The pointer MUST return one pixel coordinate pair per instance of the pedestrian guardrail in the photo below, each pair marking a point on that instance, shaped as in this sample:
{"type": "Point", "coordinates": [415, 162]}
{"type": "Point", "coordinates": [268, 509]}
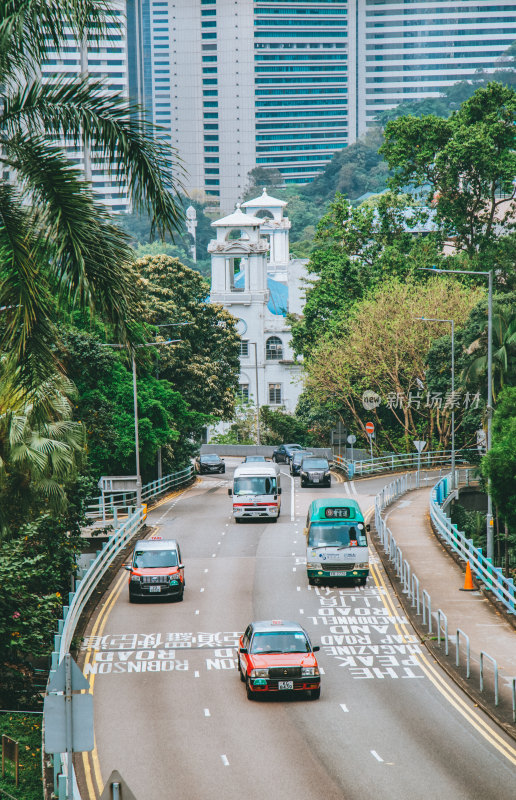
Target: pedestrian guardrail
{"type": "Point", "coordinates": [393, 463]}
{"type": "Point", "coordinates": [419, 598]}
{"type": "Point", "coordinates": [84, 589]}
{"type": "Point", "coordinates": [492, 577]}
{"type": "Point", "coordinates": [109, 506]}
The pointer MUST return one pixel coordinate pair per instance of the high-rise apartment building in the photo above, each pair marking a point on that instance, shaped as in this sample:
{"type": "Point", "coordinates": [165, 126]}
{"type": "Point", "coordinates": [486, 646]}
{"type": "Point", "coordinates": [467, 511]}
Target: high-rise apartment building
{"type": "Point", "coordinates": [106, 60]}
{"type": "Point", "coordinates": [285, 83]}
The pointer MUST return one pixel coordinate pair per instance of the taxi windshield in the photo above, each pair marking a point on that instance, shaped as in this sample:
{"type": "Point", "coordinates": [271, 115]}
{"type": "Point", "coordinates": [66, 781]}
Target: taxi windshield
{"type": "Point", "coordinates": [149, 559]}
{"type": "Point", "coordinates": [254, 485]}
{"type": "Point", "coordinates": [280, 642]}
{"type": "Point", "coordinates": [341, 535]}
{"type": "Point", "coordinates": [315, 463]}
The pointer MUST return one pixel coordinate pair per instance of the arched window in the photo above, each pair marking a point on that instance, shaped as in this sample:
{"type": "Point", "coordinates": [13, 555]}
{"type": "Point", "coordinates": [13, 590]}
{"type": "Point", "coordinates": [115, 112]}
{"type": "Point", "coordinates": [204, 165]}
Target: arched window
{"type": "Point", "coordinates": [273, 349]}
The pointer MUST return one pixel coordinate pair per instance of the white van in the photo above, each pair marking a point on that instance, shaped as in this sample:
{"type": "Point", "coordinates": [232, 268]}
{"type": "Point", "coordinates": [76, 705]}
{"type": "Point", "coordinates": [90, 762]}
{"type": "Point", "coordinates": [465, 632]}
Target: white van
{"type": "Point", "coordinates": [256, 492]}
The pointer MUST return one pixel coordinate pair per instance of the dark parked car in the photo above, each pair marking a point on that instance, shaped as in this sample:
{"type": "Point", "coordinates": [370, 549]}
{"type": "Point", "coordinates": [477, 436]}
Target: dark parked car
{"type": "Point", "coordinates": [209, 462]}
{"type": "Point", "coordinates": [250, 459]}
{"type": "Point", "coordinates": [284, 452]}
{"type": "Point", "coordinates": [295, 461]}
{"type": "Point", "coordinates": [315, 471]}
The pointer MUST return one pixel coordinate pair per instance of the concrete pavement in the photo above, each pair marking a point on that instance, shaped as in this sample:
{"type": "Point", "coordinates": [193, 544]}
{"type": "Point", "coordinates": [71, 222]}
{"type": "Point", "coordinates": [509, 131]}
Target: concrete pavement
{"type": "Point", "coordinates": [488, 629]}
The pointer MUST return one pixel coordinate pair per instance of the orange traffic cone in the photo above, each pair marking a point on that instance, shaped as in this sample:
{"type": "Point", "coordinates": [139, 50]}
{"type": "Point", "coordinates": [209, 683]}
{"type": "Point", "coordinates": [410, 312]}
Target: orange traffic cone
{"type": "Point", "coordinates": [468, 580]}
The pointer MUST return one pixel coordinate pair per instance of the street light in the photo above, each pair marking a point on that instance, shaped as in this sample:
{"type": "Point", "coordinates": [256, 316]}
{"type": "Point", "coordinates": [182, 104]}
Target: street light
{"type": "Point", "coordinates": [489, 273]}
{"type": "Point", "coordinates": [135, 401]}
{"type": "Point", "coordinates": [436, 319]}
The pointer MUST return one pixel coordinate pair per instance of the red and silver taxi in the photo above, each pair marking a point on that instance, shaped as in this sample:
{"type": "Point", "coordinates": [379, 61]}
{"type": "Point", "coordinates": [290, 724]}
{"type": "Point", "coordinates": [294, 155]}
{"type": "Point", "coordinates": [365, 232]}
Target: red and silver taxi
{"type": "Point", "coordinates": [277, 656]}
{"type": "Point", "coordinates": [156, 570]}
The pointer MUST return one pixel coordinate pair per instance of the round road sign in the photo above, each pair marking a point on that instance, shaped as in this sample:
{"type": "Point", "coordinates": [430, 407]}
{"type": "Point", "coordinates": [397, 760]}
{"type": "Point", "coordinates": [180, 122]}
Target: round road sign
{"type": "Point", "coordinates": [369, 428]}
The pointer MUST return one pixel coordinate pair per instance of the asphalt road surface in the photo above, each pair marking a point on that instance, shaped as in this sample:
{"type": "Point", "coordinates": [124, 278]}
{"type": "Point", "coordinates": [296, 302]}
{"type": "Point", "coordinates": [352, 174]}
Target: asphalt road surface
{"type": "Point", "coordinates": [171, 714]}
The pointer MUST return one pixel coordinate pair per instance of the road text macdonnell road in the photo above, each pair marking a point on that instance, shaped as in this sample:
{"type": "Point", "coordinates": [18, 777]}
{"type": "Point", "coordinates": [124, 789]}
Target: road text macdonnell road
{"type": "Point", "coordinates": [352, 626]}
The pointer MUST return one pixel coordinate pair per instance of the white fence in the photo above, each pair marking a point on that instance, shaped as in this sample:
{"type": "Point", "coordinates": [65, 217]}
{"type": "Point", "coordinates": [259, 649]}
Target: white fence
{"type": "Point", "coordinates": [83, 591]}
{"type": "Point", "coordinates": [428, 460]}
{"type": "Point", "coordinates": [502, 588]}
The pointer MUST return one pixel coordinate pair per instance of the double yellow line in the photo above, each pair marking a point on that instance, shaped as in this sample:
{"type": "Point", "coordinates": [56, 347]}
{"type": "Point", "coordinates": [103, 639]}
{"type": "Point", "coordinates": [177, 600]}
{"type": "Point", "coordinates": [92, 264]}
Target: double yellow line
{"type": "Point", "coordinates": [450, 694]}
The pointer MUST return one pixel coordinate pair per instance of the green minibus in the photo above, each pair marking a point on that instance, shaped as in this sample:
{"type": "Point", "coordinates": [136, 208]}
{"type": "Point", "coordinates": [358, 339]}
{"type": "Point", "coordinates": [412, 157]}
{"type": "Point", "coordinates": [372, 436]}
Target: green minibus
{"type": "Point", "coordinates": [336, 542]}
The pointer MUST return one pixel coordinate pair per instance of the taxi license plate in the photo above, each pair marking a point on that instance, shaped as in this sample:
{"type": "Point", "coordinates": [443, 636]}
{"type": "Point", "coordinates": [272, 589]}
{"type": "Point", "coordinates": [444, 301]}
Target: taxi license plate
{"type": "Point", "coordinates": [286, 685]}
{"type": "Point", "coordinates": [316, 480]}
{"type": "Point", "coordinates": [336, 574]}
{"type": "Point", "coordinates": [154, 588]}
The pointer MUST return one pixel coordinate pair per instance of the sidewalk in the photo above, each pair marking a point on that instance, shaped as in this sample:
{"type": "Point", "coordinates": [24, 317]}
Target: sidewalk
{"type": "Point", "coordinates": [472, 612]}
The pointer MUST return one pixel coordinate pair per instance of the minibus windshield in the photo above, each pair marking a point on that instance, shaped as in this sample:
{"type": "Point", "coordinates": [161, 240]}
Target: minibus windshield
{"type": "Point", "coordinates": [342, 535]}
{"type": "Point", "coordinates": [254, 485]}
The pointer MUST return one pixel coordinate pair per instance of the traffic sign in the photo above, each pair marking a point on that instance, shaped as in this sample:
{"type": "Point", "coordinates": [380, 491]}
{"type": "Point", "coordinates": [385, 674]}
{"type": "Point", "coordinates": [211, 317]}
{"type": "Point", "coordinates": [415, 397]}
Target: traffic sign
{"type": "Point", "coordinates": [351, 439]}
{"type": "Point", "coordinates": [57, 682]}
{"type": "Point", "coordinates": [419, 445]}
{"type": "Point", "coordinates": [80, 737]}
{"type": "Point", "coordinates": [116, 788]}
{"type": "Point", "coordinates": [369, 428]}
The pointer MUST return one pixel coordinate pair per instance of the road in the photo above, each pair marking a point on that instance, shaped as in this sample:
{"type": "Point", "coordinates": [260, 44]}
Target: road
{"type": "Point", "coordinates": [172, 716]}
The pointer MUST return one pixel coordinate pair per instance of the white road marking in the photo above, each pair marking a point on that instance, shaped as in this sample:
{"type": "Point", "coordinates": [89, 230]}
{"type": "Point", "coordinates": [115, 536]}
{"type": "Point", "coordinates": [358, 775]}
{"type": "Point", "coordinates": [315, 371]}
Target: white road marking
{"type": "Point", "coordinates": [218, 543]}
{"type": "Point", "coordinates": [292, 495]}
{"type": "Point", "coordinates": [344, 707]}
{"type": "Point", "coordinates": [197, 611]}
{"type": "Point", "coordinates": [375, 754]}
{"type": "Point", "coordinates": [225, 761]}
{"type": "Point", "coordinates": [214, 555]}
{"type": "Point", "coordinates": [206, 570]}
{"type": "Point", "coordinates": [321, 671]}
{"type": "Point", "coordinates": [353, 488]}
{"type": "Point", "coordinates": [293, 569]}
{"type": "Point", "coordinates": [298, 588]}
{"type": "Point", "coordinates": [207, 712]}
{"type": "Point", "coordinates": [301, 611]}
{"type": "Point", "coordinates": [196, 674]}
{"type": "Point", "coordinates": [201, 590]}
{"type": "Point", "coordinates": [293, 554]}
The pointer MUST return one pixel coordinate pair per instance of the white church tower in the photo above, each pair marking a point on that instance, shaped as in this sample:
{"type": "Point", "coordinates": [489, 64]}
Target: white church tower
{"type": "Point", "coordinates": [259, 291]}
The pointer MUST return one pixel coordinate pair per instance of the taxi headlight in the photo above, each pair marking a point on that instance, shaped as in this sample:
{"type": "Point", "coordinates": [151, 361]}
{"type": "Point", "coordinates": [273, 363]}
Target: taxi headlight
{"type": "Point", "coordinates": [174, 580]}
{"type": "Point", "coordinates": [259, 673]}
{"type": "Point", "coordinates": [135, 578]}
{"type": "Point", "coordinates": [309, 672]}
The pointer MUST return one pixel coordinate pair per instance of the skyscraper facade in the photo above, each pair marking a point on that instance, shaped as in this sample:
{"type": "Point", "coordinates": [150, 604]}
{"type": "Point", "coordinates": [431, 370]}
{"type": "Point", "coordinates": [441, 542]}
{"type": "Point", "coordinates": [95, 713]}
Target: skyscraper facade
{"type": "Point", "coordinates": [106, 60]}
{"type": "Point", "coordinates": [283, 84]}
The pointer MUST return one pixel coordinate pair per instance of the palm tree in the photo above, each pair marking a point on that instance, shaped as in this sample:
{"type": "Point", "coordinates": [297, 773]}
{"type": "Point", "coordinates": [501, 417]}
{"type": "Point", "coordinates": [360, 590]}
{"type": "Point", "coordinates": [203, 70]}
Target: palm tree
{"type": "Point", "coordinates": [40, 449]}
{"type": "Point", "coordinates": [58, 245]}
{"type": "Point", "coordinates": [504, 354]}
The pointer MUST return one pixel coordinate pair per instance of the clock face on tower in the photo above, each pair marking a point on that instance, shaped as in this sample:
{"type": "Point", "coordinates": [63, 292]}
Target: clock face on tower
{"type": "Point", "coordinates": [241, 327]}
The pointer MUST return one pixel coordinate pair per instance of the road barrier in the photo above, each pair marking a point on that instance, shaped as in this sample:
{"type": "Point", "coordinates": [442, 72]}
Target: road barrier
{"type": "Point", "coordinates": [103, 508]}
{"type": "Point", "coordinates": [501, 587]}
{"type": "Point", "coordinates": [85, 587]}
{"type": "Point", "coordinates": [393, 463]}
{"type": "Point", "coordinates": [492, 577]}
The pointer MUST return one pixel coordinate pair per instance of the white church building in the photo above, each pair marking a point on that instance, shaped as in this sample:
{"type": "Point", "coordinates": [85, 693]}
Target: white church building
{"type": "Point", "coordinates": [254, 278]}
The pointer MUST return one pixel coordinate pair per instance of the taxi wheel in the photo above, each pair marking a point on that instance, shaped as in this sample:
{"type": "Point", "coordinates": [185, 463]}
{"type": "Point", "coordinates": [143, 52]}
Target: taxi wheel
{"type": "Point", "coordinates": [241, 673]}
{"type": "Point", "coordinates": [315, 694]}
{"type": "Point", "coordinates": [250, 695]}
{"type": "Point", "coordinates": [303, 484]}
{"type": "Point", "coordinates": [180, 596]}
{"type": "Point", "coordinates": [273, 519]}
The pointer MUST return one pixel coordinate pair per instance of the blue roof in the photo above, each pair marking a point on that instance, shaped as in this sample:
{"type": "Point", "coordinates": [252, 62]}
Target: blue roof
{"type": "Point", "coordinates": [278, 300]}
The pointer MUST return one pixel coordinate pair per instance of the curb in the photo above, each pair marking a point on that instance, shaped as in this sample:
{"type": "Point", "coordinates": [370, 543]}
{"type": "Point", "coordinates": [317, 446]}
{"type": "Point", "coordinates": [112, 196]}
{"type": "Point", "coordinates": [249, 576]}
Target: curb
{"type": "Point", "coordinates": [433, 649]}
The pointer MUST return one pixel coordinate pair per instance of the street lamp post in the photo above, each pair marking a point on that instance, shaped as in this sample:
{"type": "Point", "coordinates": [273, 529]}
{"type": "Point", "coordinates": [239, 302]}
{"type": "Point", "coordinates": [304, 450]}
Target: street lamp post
{"type": "Point", "coordinates": [135, 403]}
{"type": "Point", "coordinates": [257, 394]}
{"type": "Point", "coordinates": [489, 273]}
{"type": "Point", "coordinates": [435, 319]}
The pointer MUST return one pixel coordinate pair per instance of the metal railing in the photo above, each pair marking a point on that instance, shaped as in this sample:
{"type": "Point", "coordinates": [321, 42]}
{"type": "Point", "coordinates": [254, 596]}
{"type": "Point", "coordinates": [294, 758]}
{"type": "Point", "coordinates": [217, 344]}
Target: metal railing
{"type": "Point", "coordinates": [492, 577]}
{"type": "Point", "coordinates": [430, 459]}
{"type": "Point", "coordinates": [85, 587]}
{"type": "Point", "coordinates": [419, 597]}
{"type": "Point", "coordinates": [105, 507]}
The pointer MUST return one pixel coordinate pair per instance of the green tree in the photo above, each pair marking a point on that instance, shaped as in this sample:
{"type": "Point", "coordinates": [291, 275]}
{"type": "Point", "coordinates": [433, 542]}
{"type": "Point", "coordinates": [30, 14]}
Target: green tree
{"type": "Point", "coordinates": [467, 161]}
{"type": "Point", "coordinates": [55, 238]}
{"type": "Point", "coordinates": [204, 365]}
{"type": "Point", "coordinates": [499, 466]}
{"type": "Point", "coordinates": [382, 348]}
{"type": "Point", "coordinates": [278, 426]}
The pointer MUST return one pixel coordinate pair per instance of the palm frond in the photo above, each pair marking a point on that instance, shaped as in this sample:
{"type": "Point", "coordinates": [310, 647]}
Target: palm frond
{"type": "Point", "coordinates": [115, 129]}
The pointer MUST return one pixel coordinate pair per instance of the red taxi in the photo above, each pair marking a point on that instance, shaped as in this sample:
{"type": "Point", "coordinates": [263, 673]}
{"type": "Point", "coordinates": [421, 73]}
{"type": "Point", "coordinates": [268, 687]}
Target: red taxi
{"type": "Point", "coordinates": [277, 656]}
{"type": "Point", "coordinates": [156, 570]}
